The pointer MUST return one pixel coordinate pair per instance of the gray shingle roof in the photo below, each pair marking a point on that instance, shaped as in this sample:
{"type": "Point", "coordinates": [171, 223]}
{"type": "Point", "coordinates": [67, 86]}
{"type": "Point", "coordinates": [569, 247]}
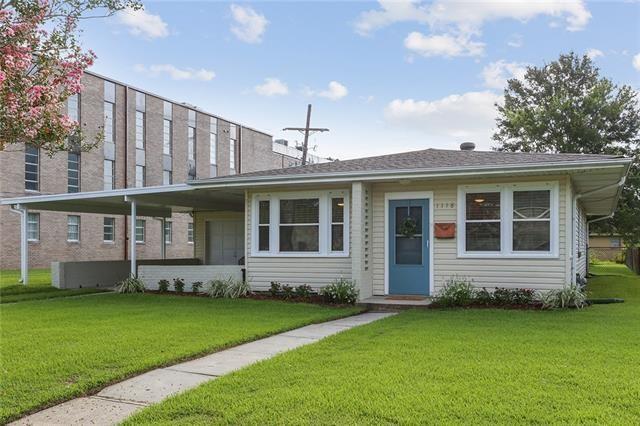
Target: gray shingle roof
{"type": "Point", "coordinates": [427, 159]}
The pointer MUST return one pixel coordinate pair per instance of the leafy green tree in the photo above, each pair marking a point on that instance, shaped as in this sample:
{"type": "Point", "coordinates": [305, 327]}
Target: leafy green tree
{"type": "Point", "coordinates": [41, 66]}
{"type": "Point", "coordinates": [566, 106]}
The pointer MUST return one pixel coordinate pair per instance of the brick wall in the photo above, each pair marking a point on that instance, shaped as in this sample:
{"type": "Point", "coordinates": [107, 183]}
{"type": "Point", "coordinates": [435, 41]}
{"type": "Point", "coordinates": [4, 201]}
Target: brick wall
{"type": "Point", "coordinates": [53, 245]}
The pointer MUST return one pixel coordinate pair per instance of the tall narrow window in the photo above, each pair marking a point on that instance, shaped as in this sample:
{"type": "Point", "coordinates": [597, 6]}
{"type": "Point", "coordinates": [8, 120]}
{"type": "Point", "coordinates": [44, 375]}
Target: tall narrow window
{"type": "Point", "coordinates": [337, 224]}
{"type": "Point", "coordinates": [191, 153]}
{"type": "Point", "coordinates": [140, 139]}
{"type": "Point", "coordinates": [141, 230]}
{"type": "Point", "coordinates": [168, 232]}
{"type": "Point", "coordinates": [166, 137]}
{"type": "Point", "coordinates": [33, 226]}
{"type": "Point", "coordinates": [109, 175]}
{"type": "Point", "coordinates": [190, 232]}
{"type": "Point", "coordinates": [532, 220]}
{"type": "Point", "coordinates": [109, 148]}
{"type": "Point", "coordinates": [167, 144]}
{"type": "Point", "coordinates": [264, 216]}
{"type": "Point", "coordinates": [73, 172]}
{"type": "Point", "coordinates": [109, 229]}
{"type": "Point", "coordinates": [300, 225]}
{"type": "Point", "coordinates": [167, 177]}
{"type": "Point", "coordinates": [31, 168]}
{"type": "Point", "coordinates": [140, 178]}
{"type": "Point", "coordinates": [482, 224]}
{"type": "Point", "coordinates": [233, 138]}
{"type": "Point", "coordinates": [73, 228]}
{"type": "Point", "coordinates": [213, 147]}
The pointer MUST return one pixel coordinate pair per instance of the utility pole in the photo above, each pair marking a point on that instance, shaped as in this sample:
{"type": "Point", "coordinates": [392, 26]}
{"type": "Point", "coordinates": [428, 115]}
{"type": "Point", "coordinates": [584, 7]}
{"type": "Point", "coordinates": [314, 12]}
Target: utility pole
{"type": "Point", "coordinates": [307, 131]}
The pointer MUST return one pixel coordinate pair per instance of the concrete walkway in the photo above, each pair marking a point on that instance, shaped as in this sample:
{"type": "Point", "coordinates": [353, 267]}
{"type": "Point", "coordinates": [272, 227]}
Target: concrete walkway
{"type": "Point", "coordinates": [117, 402]}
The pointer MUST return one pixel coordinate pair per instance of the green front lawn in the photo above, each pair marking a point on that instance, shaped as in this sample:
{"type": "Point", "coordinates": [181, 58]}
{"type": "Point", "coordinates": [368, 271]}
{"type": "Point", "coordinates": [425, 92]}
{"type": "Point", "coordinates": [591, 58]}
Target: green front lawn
{"type": "Point", "coordinates": [53, 350]}
{"type": "Point", "coordinates": [466, 366]}
{"type": "Point", "coordinates": [39, 287]}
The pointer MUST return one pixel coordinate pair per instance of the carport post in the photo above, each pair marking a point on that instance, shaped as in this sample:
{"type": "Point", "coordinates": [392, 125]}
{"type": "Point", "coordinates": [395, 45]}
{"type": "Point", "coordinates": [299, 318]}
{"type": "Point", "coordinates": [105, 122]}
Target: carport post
{"type": "Point", "coordinates": [24, 245]}
{"type": "Point", "coordinates": [132, 240]}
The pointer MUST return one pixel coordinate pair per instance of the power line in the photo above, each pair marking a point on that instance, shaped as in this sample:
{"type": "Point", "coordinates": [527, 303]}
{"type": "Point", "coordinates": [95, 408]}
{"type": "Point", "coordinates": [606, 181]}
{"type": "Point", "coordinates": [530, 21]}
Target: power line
{"type": "Point", "coordinates": [307, 131]}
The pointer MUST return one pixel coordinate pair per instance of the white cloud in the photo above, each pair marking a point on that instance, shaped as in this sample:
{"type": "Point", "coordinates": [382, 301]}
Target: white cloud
{"type": "Point", "coordinates": [271, 87]}
{"type": "Point", "coordinates": [636, 62]}
{"type": "Point", "coordinates": [496, 74]}
{"type": "Point", "coordinates": [390, 12]}
{"type": "Point", "coordinates": [334, 91]}
{"type": "Point", "coordinates": [442, 45]}
{"type": "Point", "coordinates": [141, 23]}
{"type": "Point", "coordinates": [175, 73]}
{"type": "Point", "coordinates": [594, 53]}
{"type": "Point", "coordinates": [249, 25]}
{"type": "Point", "coordinates": [454, 118]}
{"type": "Point", "coordinates": [454, 24]}
{"type": "Point", "coordinates": [515, 41]}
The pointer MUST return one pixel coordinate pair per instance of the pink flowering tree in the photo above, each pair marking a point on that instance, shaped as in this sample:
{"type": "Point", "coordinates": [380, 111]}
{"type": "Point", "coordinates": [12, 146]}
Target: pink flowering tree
{"type": "Point", "coordinates": [41, 65]}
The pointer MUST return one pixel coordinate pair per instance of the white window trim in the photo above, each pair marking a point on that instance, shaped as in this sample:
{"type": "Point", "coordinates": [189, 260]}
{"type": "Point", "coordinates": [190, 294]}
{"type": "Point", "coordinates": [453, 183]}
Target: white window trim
{"type": "Point", "coordinates": [144, 231]}
{"type": "Point", "coordinates": [506, 222]}
{"type": "Point", "coordinates": [324, 233]}
{"type": "Point", "coordinates": [37, 222]}
{"type": "Point", "coordinates": [168, 225]}
{"type": "Point", "coordinates": [193, 233]}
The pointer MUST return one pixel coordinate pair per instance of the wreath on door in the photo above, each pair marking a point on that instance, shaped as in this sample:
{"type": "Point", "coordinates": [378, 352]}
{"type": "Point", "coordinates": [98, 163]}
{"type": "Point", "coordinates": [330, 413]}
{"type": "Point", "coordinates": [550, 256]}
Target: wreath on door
{"type": "Point", "coordinates": [408, 227]}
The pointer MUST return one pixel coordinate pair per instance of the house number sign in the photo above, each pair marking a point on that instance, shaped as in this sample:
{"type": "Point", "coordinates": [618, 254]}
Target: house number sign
{"type": "Point", "coordinates": [450, 205]}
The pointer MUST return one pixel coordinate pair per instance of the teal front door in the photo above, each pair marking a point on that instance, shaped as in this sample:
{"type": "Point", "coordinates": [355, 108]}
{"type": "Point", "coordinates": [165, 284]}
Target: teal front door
{"type": "Point", "coordinates": [409, 247]}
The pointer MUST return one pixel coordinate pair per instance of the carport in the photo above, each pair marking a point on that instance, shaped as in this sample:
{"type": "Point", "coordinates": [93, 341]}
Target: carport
{"type": "Point", "coordinates": [160, 202]}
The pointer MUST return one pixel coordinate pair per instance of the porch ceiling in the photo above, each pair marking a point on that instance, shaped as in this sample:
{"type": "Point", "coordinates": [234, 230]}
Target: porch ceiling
{"type": "Point", "coordinates": [151, 201]}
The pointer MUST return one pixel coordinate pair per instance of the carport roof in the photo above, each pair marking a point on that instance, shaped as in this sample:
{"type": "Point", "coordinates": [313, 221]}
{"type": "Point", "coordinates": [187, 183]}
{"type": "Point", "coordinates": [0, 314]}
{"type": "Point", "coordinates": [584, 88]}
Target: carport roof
{"type": "Point", "coordinates": [159, 201]}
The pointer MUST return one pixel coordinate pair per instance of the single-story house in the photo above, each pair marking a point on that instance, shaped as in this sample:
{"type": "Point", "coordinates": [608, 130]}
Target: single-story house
{"type": "Point", "coordinates": [399, 224]}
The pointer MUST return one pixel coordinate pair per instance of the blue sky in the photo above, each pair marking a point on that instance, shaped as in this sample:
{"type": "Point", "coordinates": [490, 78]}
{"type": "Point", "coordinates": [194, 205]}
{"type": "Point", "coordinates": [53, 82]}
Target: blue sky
{"type": "Point", "coordinates": [383, 76]}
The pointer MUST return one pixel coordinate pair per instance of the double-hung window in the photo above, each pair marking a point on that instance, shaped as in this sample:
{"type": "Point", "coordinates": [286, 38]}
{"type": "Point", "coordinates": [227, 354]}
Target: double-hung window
{"type": "Point", "coordinates": [190, 232]}
{"type": "Point", "coordinates": [168, 232]}
{"type": "Point", "coordinates": [300, 224]}
{"type": "Point", "coordinates": [73, 228]}
{"type": "Point", "coordinates": [33, 226]}
{"type": "Point", "coordinates": [109, 229]}
{"type": "Point", "coordinates": [513, 220]}
{"type": "Point", "coordinates": [141, 230]}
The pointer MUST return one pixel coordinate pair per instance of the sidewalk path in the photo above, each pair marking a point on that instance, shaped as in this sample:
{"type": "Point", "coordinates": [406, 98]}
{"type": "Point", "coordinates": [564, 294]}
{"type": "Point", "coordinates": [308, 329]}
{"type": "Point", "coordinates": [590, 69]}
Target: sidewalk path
{"type": "Point", "coordinates": [117, 402]}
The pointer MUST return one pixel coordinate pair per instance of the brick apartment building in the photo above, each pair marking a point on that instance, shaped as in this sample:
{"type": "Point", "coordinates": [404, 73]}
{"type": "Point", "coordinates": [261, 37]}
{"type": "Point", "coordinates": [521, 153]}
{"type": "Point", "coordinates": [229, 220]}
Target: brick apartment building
{"type": "Point", "coordinates": [148, 141]}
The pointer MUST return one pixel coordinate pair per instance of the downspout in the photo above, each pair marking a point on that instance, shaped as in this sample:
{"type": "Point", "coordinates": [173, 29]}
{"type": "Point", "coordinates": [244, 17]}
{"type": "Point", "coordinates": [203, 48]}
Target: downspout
{"type": "Point", "coordinates": [574, 208]}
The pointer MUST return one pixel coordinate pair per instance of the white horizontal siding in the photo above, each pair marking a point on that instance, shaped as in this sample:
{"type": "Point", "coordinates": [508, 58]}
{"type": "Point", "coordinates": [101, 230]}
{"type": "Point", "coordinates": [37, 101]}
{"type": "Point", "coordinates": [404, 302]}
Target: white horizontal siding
{"type": "Point", "coordinates": [314, 271]}
{"type": "Point", "coordinates": [541, 274]}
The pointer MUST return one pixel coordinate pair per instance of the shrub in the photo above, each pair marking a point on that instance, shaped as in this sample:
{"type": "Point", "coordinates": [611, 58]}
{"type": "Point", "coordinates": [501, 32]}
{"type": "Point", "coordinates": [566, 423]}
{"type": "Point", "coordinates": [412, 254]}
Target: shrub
{"type": "Point", "coordinates": [523, 296]}
{"type": "Point", "coordinates": [178, 285]}
{"type": "Point", "coordinates": [130, 285]}
{"type": "Point", "coordinates": [287, 291]}
{"type": "Point", "coordinates": [341, 291]}
{"type": "Point", "coordinates": [570, 296]}
{"type": "Point", "coordinates": [237, 288]}
{"type": "Point", "coordinates": [502, 296]}
{"type": "Point", "coordinates": [275, 288]}
{"type": "Point", "coordinates": [457, 291]}
{"type": "Point", "coordinates": [304, 290]}
{"type": "Point", "coordinates": [484, 297]}
{"type": "Point", "coordinates": [217, 288]}
{"type": "Point", "coordinates": [163, 285]}
{"type": "Point", "coordinates": [196, 286]}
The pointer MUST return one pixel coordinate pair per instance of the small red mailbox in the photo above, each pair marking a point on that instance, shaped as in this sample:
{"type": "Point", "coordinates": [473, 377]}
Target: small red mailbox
{"type": "Point", "coordinates": [444, 230]}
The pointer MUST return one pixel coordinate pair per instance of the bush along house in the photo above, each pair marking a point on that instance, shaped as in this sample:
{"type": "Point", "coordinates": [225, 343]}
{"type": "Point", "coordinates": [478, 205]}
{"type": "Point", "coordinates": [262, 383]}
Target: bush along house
{"type": "Point", "coordinates": [400, 224]}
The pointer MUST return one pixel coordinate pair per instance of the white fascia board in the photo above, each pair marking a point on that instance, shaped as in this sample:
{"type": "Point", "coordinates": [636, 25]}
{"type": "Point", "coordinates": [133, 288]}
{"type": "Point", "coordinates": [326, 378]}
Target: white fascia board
{"type": "Point", "coordinates": [79, 196]}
